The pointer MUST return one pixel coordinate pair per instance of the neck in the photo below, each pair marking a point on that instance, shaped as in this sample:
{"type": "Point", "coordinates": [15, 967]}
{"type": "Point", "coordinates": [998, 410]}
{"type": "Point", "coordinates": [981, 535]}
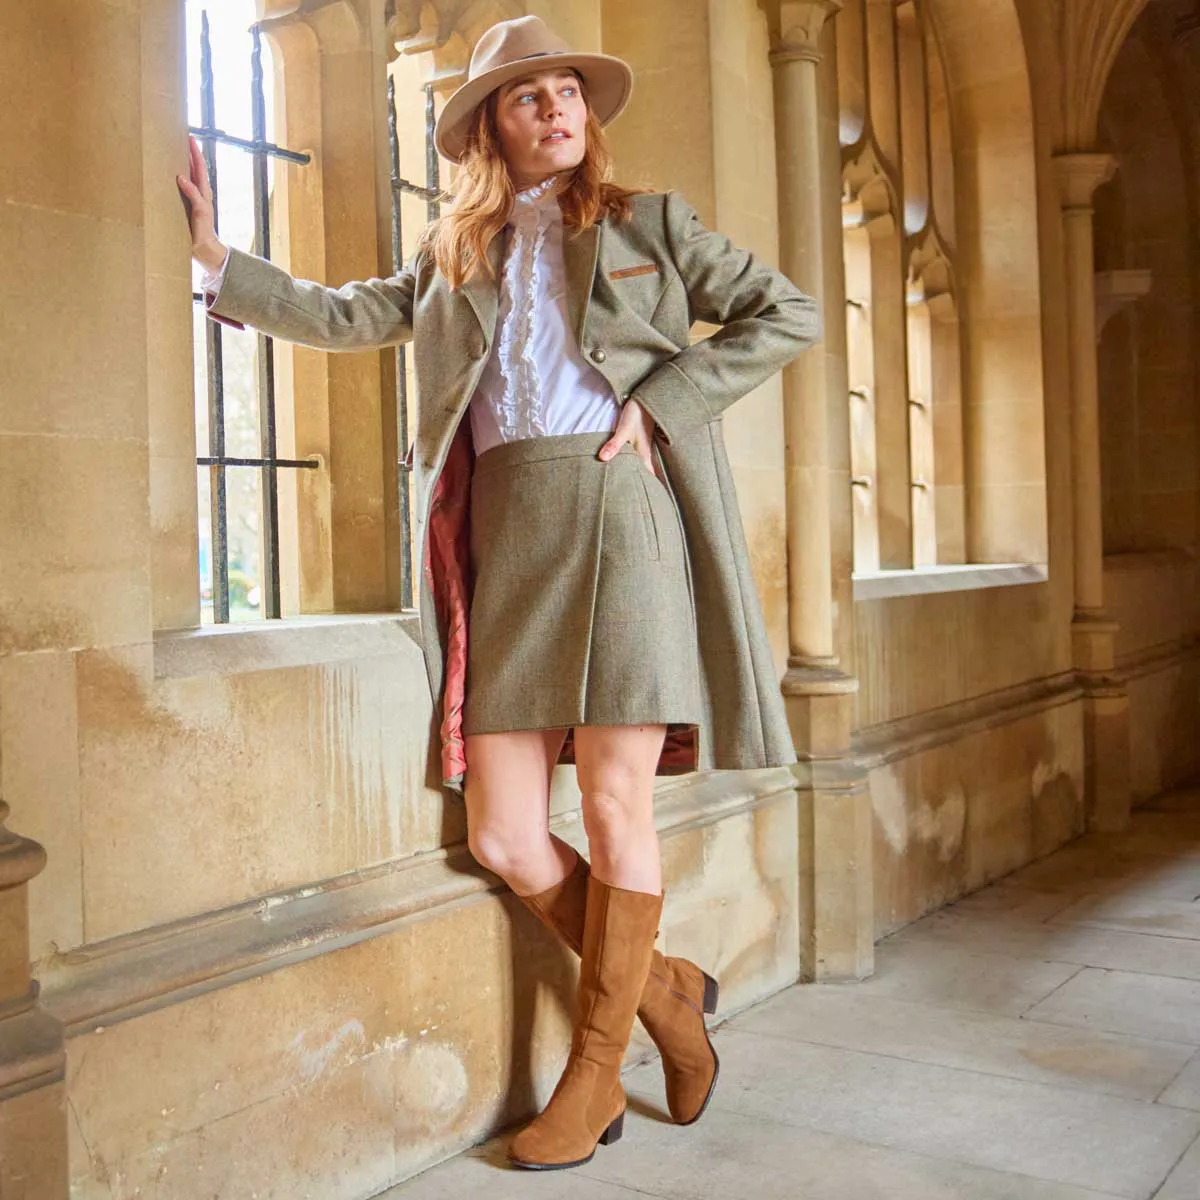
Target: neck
{"type": "Point", "coordinates": [522, 183]}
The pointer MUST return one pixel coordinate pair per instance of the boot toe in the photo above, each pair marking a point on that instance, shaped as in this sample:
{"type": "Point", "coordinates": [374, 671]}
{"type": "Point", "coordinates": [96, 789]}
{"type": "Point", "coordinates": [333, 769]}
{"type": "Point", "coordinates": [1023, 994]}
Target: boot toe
{"type": "Point", "coordinates": [534, 1150]}
{"type": "Point", "coordinates": [689, 1092]}
{"type": "Point", "coordinates": [538, 1148]}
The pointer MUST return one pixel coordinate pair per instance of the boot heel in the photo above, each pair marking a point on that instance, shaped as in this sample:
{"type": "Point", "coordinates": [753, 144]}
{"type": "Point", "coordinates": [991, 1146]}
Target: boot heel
{"type": "Point", "coordinates": [614, 1131]}
{"type": "Point", "coordinates": [710, 994]}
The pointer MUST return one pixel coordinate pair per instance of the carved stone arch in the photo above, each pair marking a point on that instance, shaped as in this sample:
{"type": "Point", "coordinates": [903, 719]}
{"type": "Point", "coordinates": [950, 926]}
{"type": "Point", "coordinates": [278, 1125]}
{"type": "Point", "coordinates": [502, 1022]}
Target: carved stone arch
{"type": "Point", "coordinates": [339, 24]}
{"type": "Point", "coordinates": [931, 270]}
{"type": "Point", "coordinates": [869, 185]}
{"type": "Point", "coordinates": [997, 265]}
{"type": "Point", "coordinates": [449, 29]}
{"type": "Point", "coordinates": [1092, 32]}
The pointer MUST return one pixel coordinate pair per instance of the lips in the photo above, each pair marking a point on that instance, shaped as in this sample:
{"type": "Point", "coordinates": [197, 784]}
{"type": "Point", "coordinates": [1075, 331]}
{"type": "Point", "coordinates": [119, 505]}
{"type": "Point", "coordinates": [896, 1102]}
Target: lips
{"type": "Point", "coordinates": [557, 135]}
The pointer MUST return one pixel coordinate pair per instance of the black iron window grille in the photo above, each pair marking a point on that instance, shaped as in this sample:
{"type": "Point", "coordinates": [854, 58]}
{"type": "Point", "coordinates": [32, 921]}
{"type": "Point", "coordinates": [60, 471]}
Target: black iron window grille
{"type": "Point", "coordinates": [218, 462]}
{"type": "Point", "coordinates": [431, 193]}
{"type": "Point", "coordinates": [267, 462]}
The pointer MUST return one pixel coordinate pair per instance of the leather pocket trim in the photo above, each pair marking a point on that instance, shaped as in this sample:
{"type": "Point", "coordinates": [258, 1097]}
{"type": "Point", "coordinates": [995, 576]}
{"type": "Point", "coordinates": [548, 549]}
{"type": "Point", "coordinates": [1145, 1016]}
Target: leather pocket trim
{"type": "Point", "coordinates": [628, 272]}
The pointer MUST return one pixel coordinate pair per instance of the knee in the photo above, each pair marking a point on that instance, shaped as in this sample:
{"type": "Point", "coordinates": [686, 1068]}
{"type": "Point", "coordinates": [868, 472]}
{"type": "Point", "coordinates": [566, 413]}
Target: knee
{"type": "Point", "coordinates": [490, 849]}
{"type": "Point", "coordinates": [610, 819]}
{"type": "Point", "coordinates": [500, 851]}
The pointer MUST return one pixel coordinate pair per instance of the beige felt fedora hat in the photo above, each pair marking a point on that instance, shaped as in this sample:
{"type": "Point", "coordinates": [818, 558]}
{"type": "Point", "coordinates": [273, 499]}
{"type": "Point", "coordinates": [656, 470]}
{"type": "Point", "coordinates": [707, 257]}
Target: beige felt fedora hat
{"type": "Point", "coordinates": [511, 49]}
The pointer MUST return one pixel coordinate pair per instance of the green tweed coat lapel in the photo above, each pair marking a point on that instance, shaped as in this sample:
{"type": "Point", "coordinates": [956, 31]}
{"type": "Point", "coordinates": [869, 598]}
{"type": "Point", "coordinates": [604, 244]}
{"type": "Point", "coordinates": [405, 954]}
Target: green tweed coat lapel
{"type": "Point", "coordinates": [481, 292]}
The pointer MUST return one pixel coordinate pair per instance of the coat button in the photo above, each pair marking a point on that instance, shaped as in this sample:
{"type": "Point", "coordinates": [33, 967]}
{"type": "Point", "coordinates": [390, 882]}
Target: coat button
{"type": "Point", "coordinates": [477, 348]}
{"type": "Point", "coordinates": [624, 397]}
{"type": "Point", "coordinates": [598, 354]}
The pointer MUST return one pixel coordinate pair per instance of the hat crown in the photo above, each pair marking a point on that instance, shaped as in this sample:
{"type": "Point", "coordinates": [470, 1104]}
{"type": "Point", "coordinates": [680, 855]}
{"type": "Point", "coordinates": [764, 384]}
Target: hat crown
{"type": "Point", "coordinates": [511, 41]}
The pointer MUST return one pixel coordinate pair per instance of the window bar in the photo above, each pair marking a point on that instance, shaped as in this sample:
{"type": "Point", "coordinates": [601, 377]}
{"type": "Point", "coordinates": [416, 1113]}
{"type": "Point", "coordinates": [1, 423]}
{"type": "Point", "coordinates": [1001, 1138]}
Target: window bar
{"type": "Point", "coordinates": [211, 133]}
{"type": "Point", "coordinates": [216, 376]}
{"type": "Point", "coordinates": [406, 582]}
{"type": "Point", "coordinates": [233, 461]}
{"type": "Point", "coordinates": [434, 208]}
{"type": "Point", "coordinates": [269, 498]}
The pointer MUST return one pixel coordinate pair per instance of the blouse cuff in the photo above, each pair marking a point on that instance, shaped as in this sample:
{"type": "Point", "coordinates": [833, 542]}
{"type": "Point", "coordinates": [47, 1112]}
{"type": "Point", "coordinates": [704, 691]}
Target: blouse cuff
{"type": "Point", "coordinates": [210, 281]}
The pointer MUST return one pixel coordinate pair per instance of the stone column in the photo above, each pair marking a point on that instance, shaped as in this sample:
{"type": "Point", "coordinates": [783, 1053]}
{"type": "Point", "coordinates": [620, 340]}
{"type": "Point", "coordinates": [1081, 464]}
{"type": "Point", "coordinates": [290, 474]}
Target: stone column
{"type": "Point", "coordinates": [174, 528]}
{"type": "Point", "coordinates": [1106, 703]}
{"type": "Point", "coordinates": [818, 693]}
{"type": "Point", "coordinates": [33, 1126]}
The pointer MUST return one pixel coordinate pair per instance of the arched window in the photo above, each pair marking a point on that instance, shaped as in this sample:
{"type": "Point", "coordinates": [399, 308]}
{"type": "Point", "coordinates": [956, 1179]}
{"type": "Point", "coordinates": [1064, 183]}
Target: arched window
{"type": "Point", "coordinates": [266, 511]}
{"type": "Point", "coordinates": [903, 331]}
{"type": "Point", "coordinates": [230, 111]}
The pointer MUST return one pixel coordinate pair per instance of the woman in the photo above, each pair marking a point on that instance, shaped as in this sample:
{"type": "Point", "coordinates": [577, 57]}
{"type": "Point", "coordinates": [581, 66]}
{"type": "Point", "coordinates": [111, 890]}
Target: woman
{"type": "Point", "coordinates": [581, 522]}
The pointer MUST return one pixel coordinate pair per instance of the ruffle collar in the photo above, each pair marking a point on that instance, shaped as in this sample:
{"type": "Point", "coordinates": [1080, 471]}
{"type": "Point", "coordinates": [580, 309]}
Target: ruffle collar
{"type": "Point", "coordinates": [538, 202]}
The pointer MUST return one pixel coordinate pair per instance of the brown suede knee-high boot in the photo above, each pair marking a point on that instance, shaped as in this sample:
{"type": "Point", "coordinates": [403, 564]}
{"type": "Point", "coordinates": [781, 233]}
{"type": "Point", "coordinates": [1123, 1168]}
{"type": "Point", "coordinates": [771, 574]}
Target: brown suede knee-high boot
{"type": "Point", "coordinates": [588, 1105]}
{"type": "Point", "coordinates": [672, 1007]}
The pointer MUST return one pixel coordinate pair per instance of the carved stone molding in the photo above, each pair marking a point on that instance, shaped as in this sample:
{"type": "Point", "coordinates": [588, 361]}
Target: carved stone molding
{"type": "Point", "coordinates": [448, 30]}
{"type": "Point", "coordinates": [869, 184]}
{"type": "Point", "coordinates": [794, 27]}
{"type": "Point", "coordinates": [903, 737]}
{"type": "Point", "coordinates": [124, 977]}
{"type": "Point", "coordinates": [1092, 33]}
{"type": "Point", "coordinates": [20, 858]}
{"type": "Point", "coordinates": [930, 269]}
{"type": "Point", "coordinates": [1079, 175]}
{"type": "Point", "coordinates": [1117, 290]}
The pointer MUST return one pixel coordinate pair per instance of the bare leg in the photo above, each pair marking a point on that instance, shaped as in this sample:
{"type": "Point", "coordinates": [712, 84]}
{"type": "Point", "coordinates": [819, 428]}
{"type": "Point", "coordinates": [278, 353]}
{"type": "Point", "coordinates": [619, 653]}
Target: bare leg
{"type": "Point", "coordinates": [615, 766]}
{"type": "Point", "coordinates": [508, 808]}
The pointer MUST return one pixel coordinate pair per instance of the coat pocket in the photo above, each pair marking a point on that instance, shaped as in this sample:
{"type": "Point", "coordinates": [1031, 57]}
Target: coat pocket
{"type": "Point", "coordinates": [652, 542]}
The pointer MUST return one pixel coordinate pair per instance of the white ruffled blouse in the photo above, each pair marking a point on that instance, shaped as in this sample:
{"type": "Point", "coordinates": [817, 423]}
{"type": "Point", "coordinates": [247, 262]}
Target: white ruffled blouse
{"type": "Point", "coordinates": [536, 381]}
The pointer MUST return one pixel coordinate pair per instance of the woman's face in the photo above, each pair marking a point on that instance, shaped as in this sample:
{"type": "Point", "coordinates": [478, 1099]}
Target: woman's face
{"type": "Point", "coordinates": [541, 121]}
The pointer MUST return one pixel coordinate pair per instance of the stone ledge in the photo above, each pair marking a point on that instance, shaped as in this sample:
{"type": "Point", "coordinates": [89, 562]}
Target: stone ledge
{"type": "Point", "coordinates": [922, 581]}
{"type": "Point", "coordinates": [124, 977]}
{"type": "Point", "coordinates": [292, 642]}
{"type": "Point", "coordinates": [1154, 659]}
{"type": "Point", "coordinates": [31, 1053]}
{"type": "Point", "coordinates": [905, 736]}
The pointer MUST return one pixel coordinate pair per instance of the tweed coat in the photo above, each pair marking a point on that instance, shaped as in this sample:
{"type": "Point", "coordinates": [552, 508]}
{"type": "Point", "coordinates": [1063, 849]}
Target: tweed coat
{"type": "Point", "coordinates": [634, 289]}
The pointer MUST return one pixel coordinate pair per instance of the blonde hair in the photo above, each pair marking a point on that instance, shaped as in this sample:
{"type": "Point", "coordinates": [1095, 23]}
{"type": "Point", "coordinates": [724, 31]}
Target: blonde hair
{"type": "Point", "coordinates": [483, 195]}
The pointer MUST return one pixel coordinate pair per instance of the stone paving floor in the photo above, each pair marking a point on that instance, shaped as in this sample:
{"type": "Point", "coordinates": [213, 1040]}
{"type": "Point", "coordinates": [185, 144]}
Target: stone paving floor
{"type": "Point", "coordinates": [1038, 1040]}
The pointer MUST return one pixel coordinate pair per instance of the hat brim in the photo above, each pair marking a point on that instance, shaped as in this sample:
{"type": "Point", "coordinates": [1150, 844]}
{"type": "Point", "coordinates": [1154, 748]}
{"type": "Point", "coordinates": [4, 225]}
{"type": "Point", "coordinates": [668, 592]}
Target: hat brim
{"type": "Point", "coordinates": [608, 80]}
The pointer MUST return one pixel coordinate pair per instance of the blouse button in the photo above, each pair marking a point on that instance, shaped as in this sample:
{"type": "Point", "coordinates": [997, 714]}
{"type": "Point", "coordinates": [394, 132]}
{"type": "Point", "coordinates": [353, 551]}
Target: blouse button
{"type": "Point", "coordinates": [598, 354]}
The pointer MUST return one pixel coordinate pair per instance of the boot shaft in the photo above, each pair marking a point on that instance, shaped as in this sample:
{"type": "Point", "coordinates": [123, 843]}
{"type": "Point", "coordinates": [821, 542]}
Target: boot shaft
{"type": "Point", "coordinates": [619, 930]}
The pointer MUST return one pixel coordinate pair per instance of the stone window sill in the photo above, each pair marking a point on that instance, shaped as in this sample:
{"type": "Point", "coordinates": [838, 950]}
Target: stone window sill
{"type": "Point", "coordinates": [242, 647]}
{"type": "Point", "coordinates": [971, 577]}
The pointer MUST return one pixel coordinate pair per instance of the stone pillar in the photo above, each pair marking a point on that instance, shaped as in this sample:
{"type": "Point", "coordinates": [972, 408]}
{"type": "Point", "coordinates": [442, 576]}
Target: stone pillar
{"type": "Point", "coordinates": [174, 527]}
{"type": "Point", "coordinates": [33, 1122]}
{"type": "Point", "coordinates": [818, 694]}
{"type": "Point", "coordinates": [1106, 703]}
{"type": "Point", "coordinates": [333, 223]}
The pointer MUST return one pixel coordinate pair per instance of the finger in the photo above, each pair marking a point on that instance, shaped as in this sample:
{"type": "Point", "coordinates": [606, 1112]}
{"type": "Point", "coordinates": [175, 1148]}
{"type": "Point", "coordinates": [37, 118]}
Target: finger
{"type": "Point", "coordinates": [200, 170]}
{"type": "Point", "coordinates": [188, 189]}
{"type": "Point", "coordinates": [619, 438]}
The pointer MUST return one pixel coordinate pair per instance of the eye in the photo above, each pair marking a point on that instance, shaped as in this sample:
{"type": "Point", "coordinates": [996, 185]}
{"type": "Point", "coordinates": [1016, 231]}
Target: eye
{"type": "Point", "coordinates": [570, 90]}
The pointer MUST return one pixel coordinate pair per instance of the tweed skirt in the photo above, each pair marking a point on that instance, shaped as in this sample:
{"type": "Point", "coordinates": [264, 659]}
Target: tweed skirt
{"type": "Point", "coordinates": [582, 610]}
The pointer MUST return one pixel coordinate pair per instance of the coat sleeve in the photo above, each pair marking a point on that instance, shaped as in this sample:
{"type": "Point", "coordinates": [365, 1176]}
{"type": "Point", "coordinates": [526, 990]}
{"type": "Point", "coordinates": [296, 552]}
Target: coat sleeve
{"type": "Point", "coordinates": [361, 315]}
{"type": "Point", "coordinates": [765, 322]}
